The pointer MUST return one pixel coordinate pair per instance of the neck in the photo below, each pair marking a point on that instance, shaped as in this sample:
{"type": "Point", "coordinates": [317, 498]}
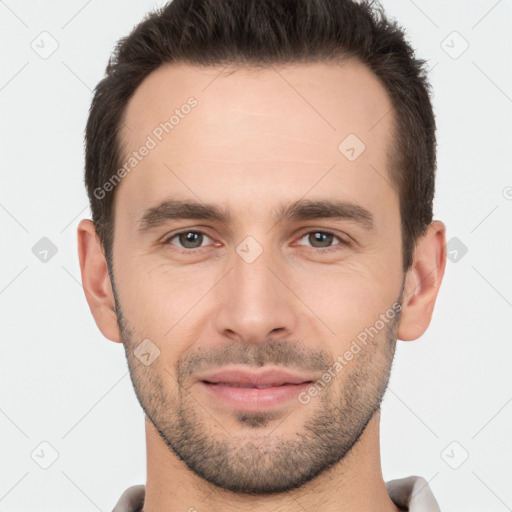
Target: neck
{"type": "Point", "coordinates": [355, 483]}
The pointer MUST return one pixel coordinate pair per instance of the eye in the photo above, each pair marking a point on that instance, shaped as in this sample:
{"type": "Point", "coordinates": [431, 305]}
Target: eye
{"type": "Point", "coordinates": [189, 239]}
{"type": "Point", "coordinates": [192, 240]}
{"type": "Point", "coordinates": [324, 240]}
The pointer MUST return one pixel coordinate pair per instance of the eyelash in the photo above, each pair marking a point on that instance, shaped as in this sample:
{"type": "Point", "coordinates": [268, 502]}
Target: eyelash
{"type": "Point", "coordinates": [337, 247]}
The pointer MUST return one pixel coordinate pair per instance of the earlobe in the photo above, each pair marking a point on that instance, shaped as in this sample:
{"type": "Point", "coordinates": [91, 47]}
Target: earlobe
{"type": "Point", "coordinates": [96, 281]}
{"type": "Point", "coordinates": [422, 283]}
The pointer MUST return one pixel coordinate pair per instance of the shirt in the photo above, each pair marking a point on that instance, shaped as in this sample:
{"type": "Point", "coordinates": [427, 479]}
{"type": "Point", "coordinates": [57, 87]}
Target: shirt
{"type": "Point", "coordinates": [411, 494]}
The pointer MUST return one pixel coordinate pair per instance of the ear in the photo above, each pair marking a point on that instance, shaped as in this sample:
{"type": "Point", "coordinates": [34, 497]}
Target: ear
{"type": "Point", "coordinates": [96, 281]}
{"type": "Point", "coordinates": [422, 282]}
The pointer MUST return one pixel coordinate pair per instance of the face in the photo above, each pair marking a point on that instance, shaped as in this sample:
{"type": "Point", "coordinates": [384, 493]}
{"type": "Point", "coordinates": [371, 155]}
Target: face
{"type": "Point", "coordinates": [288, 256]}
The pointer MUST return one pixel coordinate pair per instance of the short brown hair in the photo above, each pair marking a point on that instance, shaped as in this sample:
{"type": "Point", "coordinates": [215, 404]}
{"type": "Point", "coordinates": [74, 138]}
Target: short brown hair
{"type": "Point", "coordinates": [262, 33]}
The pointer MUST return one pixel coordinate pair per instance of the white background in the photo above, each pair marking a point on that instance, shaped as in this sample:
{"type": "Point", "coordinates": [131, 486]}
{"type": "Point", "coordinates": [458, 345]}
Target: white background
{"type": "Point", "coordinates": [61, 382]}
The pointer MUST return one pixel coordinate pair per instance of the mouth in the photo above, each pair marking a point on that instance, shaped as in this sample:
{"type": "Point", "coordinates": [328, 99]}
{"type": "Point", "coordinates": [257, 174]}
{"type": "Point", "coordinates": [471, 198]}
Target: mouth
{"type": "Point", "coordinates": [255, 386]}
{"type": "Point", "coordinates": [243, 390]}
{"type": "Point", "coordinates": [244, 378]}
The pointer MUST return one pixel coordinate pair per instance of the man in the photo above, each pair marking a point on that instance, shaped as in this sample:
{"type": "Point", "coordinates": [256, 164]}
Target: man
{"type": "Point", "coordinates": [261, 176]}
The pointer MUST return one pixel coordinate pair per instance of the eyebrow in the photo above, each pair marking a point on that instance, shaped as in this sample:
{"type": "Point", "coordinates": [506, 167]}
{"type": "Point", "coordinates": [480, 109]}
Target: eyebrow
{"type": "Point", "coordinates": [173, 209]}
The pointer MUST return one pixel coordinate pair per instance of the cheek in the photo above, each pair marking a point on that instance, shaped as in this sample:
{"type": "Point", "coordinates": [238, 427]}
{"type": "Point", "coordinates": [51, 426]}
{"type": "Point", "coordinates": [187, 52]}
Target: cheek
{"type": "Point", "coordinates": [163, 302]}
{"type": "Point", "coordinates": [347, 299]}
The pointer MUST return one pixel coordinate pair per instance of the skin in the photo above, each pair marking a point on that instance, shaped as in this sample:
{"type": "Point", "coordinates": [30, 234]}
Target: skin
{"type": "Point", "coordinates": [257, 139]}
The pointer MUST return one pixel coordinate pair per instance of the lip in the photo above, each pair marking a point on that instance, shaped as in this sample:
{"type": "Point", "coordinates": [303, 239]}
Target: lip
{"type": "Point", "coordinates": [245, 378]}
{"type": "Point", "coordinates": [238, 389]}
{"type": "Point", "coordinates": [253, 399]}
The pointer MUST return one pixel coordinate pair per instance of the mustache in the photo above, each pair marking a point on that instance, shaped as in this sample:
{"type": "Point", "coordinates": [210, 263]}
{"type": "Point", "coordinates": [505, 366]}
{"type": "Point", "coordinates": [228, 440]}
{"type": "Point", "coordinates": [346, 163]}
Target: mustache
{"type": "Point", "coordinates": [273, 352]}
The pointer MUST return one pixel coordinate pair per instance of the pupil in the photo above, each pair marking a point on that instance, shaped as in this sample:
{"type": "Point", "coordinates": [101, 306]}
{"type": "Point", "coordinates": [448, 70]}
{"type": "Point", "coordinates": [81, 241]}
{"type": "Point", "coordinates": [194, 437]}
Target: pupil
{"type": "Point", "coordinates": [190, 237]}
{"type": "Point", "coordinates": [325, 236]}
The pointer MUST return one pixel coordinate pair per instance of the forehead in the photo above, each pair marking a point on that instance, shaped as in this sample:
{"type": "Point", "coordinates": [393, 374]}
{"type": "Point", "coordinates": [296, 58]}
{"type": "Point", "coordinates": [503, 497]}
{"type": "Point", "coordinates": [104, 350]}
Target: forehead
{"type": "Point", "coordinates": [311, 100]}
{"type": "Point", "coordinates": [219, 128]}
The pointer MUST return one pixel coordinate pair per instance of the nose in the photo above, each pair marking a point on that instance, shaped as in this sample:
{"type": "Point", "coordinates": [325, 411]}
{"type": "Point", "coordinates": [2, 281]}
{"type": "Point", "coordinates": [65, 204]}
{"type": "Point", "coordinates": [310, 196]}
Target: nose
{"type": "Point", "coordinates": [257, 300]}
